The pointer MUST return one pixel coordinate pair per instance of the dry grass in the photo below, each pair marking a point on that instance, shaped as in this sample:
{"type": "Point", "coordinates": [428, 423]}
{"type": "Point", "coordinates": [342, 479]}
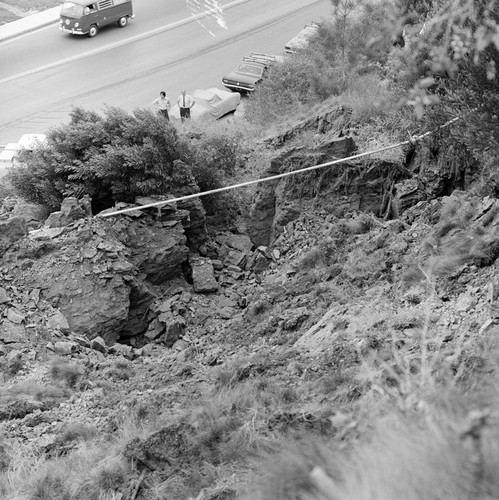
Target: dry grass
{"type": "Point", "coordinates": [68, 373]}
{"type": "Point", "coordinates": [406, 432]}
{"type": "Point", "coordinates": [76, 431]}
{"type": "Point", "coordinates": [287, 475]}
{"type": "Point", "coordinates": [95, 470]}
{"type": "Point", "coordinates": [33, 5]}
{"type": "Point", "coordinates": [369, 98]}
{"type": "Point", "coordinates": [364, 267]}
{"type": "Point", "coordinates": [414, 459]}
{"type": "Point", "coordinates": [21, 8]}
{"type": "Point", "coordinates": [414, 433]}
{"type": "Point", "coordinates": [428, 442]}
{"type": "Point", "coordinates": [7, 16]}
{"type": "Point", "coordinates": [32, 389]}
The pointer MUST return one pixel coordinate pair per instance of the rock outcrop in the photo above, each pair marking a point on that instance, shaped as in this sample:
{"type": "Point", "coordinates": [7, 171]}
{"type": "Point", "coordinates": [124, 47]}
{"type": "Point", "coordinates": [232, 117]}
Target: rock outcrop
{"type": "Point", "coordinates": [98, 274]}
{"type": "Point", "coordinates": [344, 187]}
{"type": "Point", "coordinates": [333, 122]}
{"type": "Point", "coordinates": [11, 231]}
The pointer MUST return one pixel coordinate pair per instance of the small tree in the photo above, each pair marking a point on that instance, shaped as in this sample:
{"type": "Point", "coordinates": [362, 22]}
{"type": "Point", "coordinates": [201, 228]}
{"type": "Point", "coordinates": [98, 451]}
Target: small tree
{"type": "Point", "coordinates": [214, 159]}
{"type": "Point", "coordinates": [114, 157]}
{"type": "Point", "coordinates": [343, 10]}
{"type": "Point", "coordinates": [359, 38]}
{"type": "Point", "coordinates": [288, 85]}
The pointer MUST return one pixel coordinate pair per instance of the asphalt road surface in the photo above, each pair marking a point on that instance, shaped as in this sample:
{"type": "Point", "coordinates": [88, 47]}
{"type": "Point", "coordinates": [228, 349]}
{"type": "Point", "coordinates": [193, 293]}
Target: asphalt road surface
{"type": "Point", "coordinates": [45, 73]}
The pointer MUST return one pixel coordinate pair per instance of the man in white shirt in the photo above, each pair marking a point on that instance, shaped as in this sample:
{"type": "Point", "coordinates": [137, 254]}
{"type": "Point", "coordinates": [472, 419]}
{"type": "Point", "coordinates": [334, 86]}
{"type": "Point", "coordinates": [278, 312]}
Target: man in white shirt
{"type": "Point", "coordinates": [185, 103]}
{"type": "Point", "coordinates": [162, 105]}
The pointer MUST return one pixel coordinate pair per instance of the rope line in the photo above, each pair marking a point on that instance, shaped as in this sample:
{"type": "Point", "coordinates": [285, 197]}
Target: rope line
{"type": "Point", "coordinates": [411, 140]}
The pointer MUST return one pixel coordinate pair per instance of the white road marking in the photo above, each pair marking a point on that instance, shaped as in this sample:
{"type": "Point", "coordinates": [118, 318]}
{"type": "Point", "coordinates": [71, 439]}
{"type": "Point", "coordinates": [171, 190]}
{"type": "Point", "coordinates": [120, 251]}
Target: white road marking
{"type": "Point", "coordinates": [113, 45]}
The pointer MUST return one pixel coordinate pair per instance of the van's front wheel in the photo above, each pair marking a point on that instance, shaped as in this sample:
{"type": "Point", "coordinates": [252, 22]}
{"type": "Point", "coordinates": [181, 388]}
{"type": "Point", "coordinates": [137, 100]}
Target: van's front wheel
{"type": "Point", "coordinates": [93, 31]}
{"type": "Point", "coordinates": [123, 21]}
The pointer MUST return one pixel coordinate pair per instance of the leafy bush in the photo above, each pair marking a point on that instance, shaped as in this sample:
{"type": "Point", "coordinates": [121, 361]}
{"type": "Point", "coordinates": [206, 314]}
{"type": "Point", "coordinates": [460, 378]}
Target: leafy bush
{"type": "Point", "coordinates": [114, 157]}
{"type": "Point", "coordinates": [285, 90]}
{"type": "Point", "coordinates": [6, 189]}
{"type": "Point", "coordinates": [356, 42]}
{"type": "Point", "coordinates": [214, 159]}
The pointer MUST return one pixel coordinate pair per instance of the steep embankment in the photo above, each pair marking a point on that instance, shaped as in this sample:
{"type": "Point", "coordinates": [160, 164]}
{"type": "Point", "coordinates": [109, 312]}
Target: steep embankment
{"type": "Point", "coordinates": [340, 330]}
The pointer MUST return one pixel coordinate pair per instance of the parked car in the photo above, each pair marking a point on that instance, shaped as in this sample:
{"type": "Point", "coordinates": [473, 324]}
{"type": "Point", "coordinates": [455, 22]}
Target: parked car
{"type": "Point", "coordinates": [246, 76]}
{"type": "Point", "coordinates": [9, 154]}
{"type": "Point", "coordinates": [211, 104]}
{"type": "Point", "coordinates": [86, 17]}
{"type": "Point", "coordinates": [302, 39]}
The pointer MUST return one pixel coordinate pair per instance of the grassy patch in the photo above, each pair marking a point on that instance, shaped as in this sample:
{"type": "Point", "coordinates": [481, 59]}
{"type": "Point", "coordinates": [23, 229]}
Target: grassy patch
{"type": "Point", "coordinates": [33, 5]}
{"type": "Point", "coordinates": [7, 16]}
{"type": "Point", "coordinates": [68, 373]}
{"type": "Point", "coordinates": [21, 8]}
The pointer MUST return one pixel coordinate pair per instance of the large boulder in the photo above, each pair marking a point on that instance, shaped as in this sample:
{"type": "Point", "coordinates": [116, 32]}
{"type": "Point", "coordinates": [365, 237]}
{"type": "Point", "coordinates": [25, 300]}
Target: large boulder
{"type": "Point", "coordinates": [406, 193]}
{"type": "Point", "coordinates": [11, 230]}
{"type": "Point", "coordinates": [72, 209]}
{"type": "Point", "coordinates": [234, 249]}
{"type": "Point", "coordinates": [434, 172]}
{"type": "Point", "coordinates": [156, 249]}
{"type": "Point", "coordinates": [158, 236]}
{"type": "Point", "coordinates": [195, 225]}
{"type": "Point", "coordinates": [277, 202]}
{"type": "Point", "coordinates": [12, 332]}
{"type": "Point", "coordinates": [100, 273]}
{"type": "Point", "coordinates": [203, 277]}
{"type": "Point", "coordinates": [34, 214]}
{"type": "Point", "coordinates": [86, 278]}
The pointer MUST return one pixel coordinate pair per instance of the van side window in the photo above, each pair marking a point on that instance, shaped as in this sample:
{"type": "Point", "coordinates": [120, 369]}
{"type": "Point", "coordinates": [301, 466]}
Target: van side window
{"type": "Point", "coordinates": [103, 4]}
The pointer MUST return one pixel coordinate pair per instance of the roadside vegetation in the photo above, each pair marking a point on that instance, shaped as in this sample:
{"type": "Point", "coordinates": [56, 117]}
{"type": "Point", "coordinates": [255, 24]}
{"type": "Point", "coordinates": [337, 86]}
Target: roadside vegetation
{"type": "Point", "coordinates": [12, 10]}
{"type": "Point", "coordinates": [356, 60]}
{"type": "Point", "coordinates": [401, 413]}
{"type": "Point", "coordinates": [118, 156]}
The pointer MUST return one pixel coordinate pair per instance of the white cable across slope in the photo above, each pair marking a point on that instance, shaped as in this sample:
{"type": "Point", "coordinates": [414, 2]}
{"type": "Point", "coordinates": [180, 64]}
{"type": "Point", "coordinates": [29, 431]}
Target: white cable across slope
{"type": "Point", "coordinates": [412, 140]}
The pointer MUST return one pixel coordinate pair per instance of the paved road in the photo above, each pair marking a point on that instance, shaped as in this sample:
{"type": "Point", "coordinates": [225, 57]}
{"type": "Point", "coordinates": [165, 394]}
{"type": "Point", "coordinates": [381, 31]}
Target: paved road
{"type": "Point", "coordinates": [44, 73]}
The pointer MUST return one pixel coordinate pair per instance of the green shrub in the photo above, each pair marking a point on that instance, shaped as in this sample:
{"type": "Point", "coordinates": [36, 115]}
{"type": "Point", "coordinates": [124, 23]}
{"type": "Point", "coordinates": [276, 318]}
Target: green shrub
{"type": "Point", "coordinates": [356, 41]}
{"type": "Point", "coordinates": [286, 88]}
{"type": "Point", "coordinates": [6, 190]}
{"type": "Point", "coordinates": [215, 158]}
{"type": "Point", "coordinates": [114, 157]}
{"type": "Point", "coordinates": [349, 46]}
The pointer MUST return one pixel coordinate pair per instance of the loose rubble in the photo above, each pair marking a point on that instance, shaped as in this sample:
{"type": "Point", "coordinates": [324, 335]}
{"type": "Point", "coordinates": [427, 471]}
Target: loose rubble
{"type": "Point", "coordinates": [102, 317]}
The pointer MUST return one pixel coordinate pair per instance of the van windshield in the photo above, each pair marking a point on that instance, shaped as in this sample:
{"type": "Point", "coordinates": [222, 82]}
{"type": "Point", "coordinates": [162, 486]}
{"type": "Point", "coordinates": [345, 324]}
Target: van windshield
{"type": "Point", "coordinates": [71, 9]}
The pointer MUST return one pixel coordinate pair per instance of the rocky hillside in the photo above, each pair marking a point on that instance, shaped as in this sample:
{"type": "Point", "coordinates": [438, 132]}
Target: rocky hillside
{"type": "Point", "coordinates": [151, 355]}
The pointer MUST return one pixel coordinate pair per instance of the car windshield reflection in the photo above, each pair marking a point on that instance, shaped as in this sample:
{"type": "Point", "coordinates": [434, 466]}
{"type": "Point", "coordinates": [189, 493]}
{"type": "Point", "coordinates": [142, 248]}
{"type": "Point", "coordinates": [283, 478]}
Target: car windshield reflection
{"type": "Point", "coordinates": [71, 9]}
{"type": "Point", "coordinates": [250, 69]}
